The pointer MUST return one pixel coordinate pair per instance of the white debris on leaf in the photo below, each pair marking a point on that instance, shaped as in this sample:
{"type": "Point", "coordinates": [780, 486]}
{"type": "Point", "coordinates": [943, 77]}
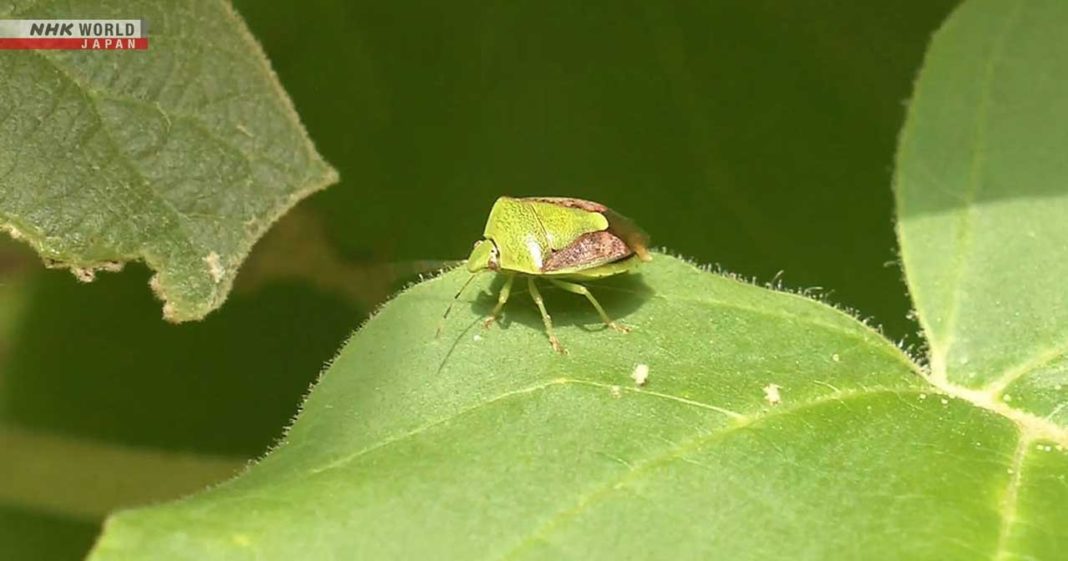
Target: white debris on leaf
{"type": "Point", "coordinates": [836, 358]}
{"type": "Point", "coordinates": [87, 274]}
{"type": "Point", "coordinates": [12, 231]}
{"type": "Point", "coordinates": [640, 374]}
{"type": "Point", "coordinates": [771, 394]}
{"type": "Point", "coordinates": [215, 268]}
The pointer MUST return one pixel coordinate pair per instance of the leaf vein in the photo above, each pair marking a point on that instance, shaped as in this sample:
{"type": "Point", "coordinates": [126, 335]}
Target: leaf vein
{"type": "Point", "coordinates": [965, 222]}
{"type": "Point", "coordinates": [85, 92]}
{"type": "Point", "coordinates": [1010, 499]}
{"type": "Point", "coordinates": [678, 452]}
{"type": "Point", "coordinates": [1043, 358]}
{"type": "Point", "coordinates": [865, 335]}
{"type": "Point", "coordinates": [341, 462]}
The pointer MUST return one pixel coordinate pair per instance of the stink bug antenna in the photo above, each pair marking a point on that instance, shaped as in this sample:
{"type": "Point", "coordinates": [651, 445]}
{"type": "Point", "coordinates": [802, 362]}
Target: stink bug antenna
{"type": "Point", "coordinates": [441, 324]}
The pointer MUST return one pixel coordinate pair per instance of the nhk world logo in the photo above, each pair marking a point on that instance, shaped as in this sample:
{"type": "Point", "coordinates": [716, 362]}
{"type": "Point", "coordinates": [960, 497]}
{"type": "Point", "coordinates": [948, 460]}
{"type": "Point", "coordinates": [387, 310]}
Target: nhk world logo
{"type": "Point", "coordinates": [73, 34]}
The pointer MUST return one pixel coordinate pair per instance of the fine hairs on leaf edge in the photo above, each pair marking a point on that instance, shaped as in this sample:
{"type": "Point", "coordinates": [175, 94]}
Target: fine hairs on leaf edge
{"type": "Point", "coordinates": [812, 294]}
{"type": "Point", "coordinates": [921, 351]}
{"type": "Point", "coordinates": [284, 435]}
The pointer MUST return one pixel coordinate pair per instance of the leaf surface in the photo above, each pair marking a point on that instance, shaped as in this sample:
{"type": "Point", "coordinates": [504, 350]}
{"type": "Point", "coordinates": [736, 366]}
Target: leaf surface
{"type": "Point", "coordinates": [485, 444]}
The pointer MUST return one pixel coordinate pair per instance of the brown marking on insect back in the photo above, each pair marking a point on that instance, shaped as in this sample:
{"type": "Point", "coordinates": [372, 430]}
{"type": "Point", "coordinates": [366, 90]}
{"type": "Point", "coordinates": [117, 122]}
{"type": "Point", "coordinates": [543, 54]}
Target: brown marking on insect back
{"type": "Point", "coordinates": [589, 250]}
{"type": "Point", "coordinates": [635, 238]}
{"type": "Point", "coordinates": [624, 228]}
{"type": "Point", "coordinates": [569, 202]}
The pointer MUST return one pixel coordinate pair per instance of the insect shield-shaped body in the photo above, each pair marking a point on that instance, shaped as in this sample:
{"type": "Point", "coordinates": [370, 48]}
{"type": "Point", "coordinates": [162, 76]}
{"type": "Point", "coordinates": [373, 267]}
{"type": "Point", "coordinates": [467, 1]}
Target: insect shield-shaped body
{"type": "Point", "coordinates": [559, 240]}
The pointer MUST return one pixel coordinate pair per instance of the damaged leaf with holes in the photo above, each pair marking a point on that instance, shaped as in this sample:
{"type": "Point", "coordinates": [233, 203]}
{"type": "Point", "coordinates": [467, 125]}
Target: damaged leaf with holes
{"type": "Point", "coordinates": [181, 158]}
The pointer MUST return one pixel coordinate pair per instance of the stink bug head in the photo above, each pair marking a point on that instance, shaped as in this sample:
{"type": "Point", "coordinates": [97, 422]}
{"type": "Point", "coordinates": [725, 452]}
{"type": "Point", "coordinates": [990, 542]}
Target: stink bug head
{"type": "Point", "coordinates": [484, 256]}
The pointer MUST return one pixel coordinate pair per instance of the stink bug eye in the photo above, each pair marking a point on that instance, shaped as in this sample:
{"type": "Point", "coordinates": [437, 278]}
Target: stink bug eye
{"type": "Point", "coordinates": [559, 239]}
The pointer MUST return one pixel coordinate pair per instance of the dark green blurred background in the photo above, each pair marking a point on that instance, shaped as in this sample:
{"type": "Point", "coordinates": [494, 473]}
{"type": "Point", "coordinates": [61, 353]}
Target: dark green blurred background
{"type": "Point", "coordinates": [758, 135]}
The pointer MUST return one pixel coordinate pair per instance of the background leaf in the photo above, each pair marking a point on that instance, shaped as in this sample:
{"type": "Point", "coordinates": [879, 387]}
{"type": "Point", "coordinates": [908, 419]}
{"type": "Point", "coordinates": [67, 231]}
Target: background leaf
{"type": "Point", "coordinates": [981, 192]}
{"type": "Point", "coordinates": [982, 200]}
{"type": "Point", "coordinates": [487, 445]}
{"type": "Point", "coordinates": [181, 158]}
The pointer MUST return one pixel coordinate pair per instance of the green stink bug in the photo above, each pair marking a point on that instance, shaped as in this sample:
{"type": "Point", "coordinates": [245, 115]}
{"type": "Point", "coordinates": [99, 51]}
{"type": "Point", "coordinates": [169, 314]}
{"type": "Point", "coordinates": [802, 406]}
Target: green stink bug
{"type": "Point", "coordinates": [559, 239]}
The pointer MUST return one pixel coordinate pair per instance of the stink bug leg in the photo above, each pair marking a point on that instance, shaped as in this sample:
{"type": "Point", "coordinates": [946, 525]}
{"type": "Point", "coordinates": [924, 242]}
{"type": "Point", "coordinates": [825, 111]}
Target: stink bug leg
{"type": "Point", "coordinates": [502, 297]}
{"type": "Point", "coordinates": [560, 239]}
{"type": "Point", "coordinates": [536, 295]}
{"type": "Point", "coordinates": [579, 289]}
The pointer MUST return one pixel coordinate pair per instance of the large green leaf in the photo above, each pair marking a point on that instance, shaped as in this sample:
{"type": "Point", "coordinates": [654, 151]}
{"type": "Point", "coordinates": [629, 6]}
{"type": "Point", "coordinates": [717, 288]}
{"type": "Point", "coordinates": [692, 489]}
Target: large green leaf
{"type": "Point", "coordinates": [982, 194]}
{"type": "Point", "coordinates": [180, 156]}
{"type": "Point", "coordinates": [485, 444]}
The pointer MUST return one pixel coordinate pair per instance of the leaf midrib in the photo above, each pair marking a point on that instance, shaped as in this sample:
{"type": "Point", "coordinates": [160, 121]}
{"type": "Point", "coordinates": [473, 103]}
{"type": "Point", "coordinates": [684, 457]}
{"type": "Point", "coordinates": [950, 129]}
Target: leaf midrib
{"type": "Point", "coordinates": [142, 182]}
{"type": "Point", "coordinates": [941, 344]}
